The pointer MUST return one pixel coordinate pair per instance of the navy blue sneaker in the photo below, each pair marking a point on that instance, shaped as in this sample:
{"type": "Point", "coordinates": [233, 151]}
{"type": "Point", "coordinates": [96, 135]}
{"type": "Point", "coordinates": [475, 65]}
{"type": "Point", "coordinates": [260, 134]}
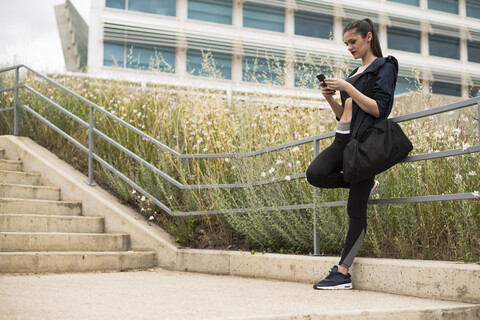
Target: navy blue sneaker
{"type": "Point", "coordinates": [334, 281]}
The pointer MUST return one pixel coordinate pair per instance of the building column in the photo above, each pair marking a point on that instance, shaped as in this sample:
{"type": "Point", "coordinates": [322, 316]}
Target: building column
{"type": "Point", "coordinates": [181, 61]}
{"type": "Point", "coordinates": [237, 68]}
{"type": "Point", "coordinates": [95, 37]}
{"type": "Point", "coordinates": [182, 10]}
{"type": "Point", "coordinates": [237, 22]}
{"type": "Point", "coordinates": [237, 13]}
{"type": "Point", "coordinates": [337, 28]}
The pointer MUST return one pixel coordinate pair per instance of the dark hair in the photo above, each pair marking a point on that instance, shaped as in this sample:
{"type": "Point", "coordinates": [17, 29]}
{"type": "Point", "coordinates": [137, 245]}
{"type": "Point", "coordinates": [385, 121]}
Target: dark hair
{"type": "Point", "coordinates": [363, 27]}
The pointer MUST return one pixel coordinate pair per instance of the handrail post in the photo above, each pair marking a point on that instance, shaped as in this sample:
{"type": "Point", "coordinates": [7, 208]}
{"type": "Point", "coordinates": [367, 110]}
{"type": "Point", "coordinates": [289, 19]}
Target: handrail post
{"type": "Point", "coordinates": [316, 238]}
{"type": "Point", "coordinates": [16, 111]}
{"type": "Point", "coordinates": [90, 148]}
{"type": "Point", "coordinates": [478, 116]}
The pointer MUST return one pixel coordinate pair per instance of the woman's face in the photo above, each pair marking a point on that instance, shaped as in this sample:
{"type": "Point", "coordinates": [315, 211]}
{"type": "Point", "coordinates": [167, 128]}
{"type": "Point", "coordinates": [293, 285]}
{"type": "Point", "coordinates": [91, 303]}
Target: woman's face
{"type": "Point", "coordinates": [357, 45]}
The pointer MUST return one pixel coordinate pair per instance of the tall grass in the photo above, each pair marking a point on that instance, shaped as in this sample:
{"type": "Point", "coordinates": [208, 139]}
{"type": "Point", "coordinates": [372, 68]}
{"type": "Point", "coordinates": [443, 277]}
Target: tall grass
{"type": "Point", "coordinates": [195, 121]}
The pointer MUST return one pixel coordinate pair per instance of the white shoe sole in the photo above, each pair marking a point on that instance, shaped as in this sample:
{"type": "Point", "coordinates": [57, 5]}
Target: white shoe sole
{"type": "Point", "coordinates": [374, 188]}
{"type": "Point", "coordinates": [345, 286]}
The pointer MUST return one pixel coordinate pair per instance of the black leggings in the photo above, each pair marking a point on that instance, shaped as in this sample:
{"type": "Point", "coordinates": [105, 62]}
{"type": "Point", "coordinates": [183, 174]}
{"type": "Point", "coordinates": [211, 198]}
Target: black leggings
{"type": "Point", "coordinates": [325, 172]}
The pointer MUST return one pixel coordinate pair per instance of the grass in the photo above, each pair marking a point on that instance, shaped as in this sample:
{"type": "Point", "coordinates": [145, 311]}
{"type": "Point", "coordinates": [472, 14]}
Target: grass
{"type": "Point", "coordinates": [195, 121]}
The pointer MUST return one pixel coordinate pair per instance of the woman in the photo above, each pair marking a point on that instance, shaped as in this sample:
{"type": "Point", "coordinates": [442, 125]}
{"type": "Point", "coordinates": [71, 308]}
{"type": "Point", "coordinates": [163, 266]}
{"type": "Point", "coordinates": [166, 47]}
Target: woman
{"type": "Point", "coordinates": [325, 170]}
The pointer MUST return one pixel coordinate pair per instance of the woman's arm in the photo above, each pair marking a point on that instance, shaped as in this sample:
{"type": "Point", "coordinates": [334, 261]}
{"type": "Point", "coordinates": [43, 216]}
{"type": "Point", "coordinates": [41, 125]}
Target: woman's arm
{"type": "Point", "coordinates": [336, 107]}
{"type": "Point", "coordinates": [365, 103]}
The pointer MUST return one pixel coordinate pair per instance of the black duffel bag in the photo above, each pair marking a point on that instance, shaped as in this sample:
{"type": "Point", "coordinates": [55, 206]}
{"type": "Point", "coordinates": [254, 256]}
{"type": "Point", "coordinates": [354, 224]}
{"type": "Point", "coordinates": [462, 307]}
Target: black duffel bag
{"type": "Point", "coordinates": [374, 149]}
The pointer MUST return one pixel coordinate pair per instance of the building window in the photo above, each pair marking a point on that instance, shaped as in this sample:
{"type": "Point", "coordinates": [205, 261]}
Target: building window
{"type": "Point", "coordinates": [450, 6]}
{"type": "Point", "coordinates": [117, 4]}
{"type": "Point", "coordinates": [410, 2]}
{"type": "Point", "coordinates": [306, 75]}
{"type": "Point", "coordinates": [263, 70]}
{"type": "Point", "coordinates": [474, 91]}
{"type": "Point", "coordinates": [447, 89]}
{"type": "Point", "coordinates": [473, 51]}
{"type": "Point", "coordinates": [163, 7]}
{"type": "Point", "coordinates": [263, 16]}
{"type": "Point", "coordinates": [473, 8]}
{"type": "Point", "coordinates": [444, 46]}
{"type": "Point", "coordinates": [114, 54]}
{"type": "Point", "coordinates": [313, 24]}
{"type": "Point", "coordinates": [219, 11]}
{"type": "Point", "coordinates": [149, 57]}
{"type": "Point", "coordinates": [405, 85]}
{"type": "Point", "coordinates": [209, 64]}
{"type": "Point", "coordinates": [403, 39]}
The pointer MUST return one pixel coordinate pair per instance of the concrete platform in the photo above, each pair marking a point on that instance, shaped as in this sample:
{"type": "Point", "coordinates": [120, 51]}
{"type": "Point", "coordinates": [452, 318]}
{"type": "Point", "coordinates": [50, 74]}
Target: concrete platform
{"type": "Point", "coordinates": [160, 294]}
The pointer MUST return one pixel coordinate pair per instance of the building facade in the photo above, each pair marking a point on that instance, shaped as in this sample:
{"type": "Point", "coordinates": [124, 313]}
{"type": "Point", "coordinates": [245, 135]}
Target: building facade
{"type": "Point", "coordinates": [275, 41]}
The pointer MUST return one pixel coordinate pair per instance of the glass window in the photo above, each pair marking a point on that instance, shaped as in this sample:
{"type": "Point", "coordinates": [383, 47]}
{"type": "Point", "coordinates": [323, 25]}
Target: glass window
{"type": "Point", "coordinates": [164, 7]}
{"type": "Point", "coordinates": [473, 8]}
{"type": "Point", "coordinates": [263, 70]}
{"type": "Point", "coordinates": [474, 91]}
{"type": "Point", "coordinates": [473, 51]}
{"type": "Point", "coordinates": [209, 64]}
{"type": "Point", "coordinates": [148, 57]}
{"type": "Point", "coordinates": [263, 16]}
{"type": "Point", "coordinates": [403, 39]}
{"type": "Point", "coordinates": [114, 54]}
{"type": "Point", "coordinates": [444, 46]}
{"type": "Point", "coordinates": [449, 89]}
{"type": "Point", "coordinates": [219, 11]}
{"type": "Point", "coordinates": [118, 4]}
{"type": "Point", "coordinates": [410, 2]}
{"type": "Point", "coordinates": [450, 6]}
{"type": "Point", "coordinates": [313, 24]}
{"type": "Point", "coordinates": [306, 75]}
{"type": "Point", "coordinates": [405, 85]}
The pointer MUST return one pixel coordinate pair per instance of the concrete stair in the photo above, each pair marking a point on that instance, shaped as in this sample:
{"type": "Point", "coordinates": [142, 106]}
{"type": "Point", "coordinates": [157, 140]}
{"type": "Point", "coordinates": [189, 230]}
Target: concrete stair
{"type": "Point", "coordinates": [41, 233]}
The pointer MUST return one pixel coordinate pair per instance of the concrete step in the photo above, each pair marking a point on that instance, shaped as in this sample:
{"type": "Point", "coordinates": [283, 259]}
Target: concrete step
{"type": "Point", "coordinates": [40, 262]}
{"type": "Point", "coordinates": [18, 177]}
{"type": "Point", "coordinates": [57, 241]}
{"type": "Point", "coordinates": [33, 206]}
{"type": "Point", "coordinates": [50, 223]}
{"type": "Point", "coordinates": [10, 165]}
{"type": "Point", "coordinates": [29, 192]}
{"type": "Point", "coordinates": [2, 153]}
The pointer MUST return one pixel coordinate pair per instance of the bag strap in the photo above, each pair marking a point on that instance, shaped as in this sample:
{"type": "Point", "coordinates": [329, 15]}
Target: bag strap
{"type": "Point", "coordinates": [361, 113]}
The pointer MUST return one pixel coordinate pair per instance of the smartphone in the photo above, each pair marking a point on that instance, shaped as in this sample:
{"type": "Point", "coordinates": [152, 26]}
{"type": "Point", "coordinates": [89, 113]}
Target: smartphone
{"type": "Point", "coordinates": [321, 78]}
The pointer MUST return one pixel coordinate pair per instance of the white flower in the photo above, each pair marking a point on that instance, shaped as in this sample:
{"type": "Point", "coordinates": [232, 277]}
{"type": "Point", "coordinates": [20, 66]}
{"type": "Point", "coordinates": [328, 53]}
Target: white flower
{"type": "Point", "coordinates": [279, 161]}
{"type": "Point", "coordinates": [227, 160]}
{"type": "Point", "coordinates": [298, 162]}
{"type": "Point", "coordinates": [465, 147]}
{"type": "Point", "coordinates": [289, 165]}
{"type": "Point", "coordinates": [134, 191]}
{"type": "Point", "coordinates": [205, 149]}
{"type": "Point", "coordinates": [143, 198]}
{"type": "Point", "coordinates": [472, 173]}
{"type": "Point", "coordinates": [295, 149]}
{"type": "Point", "coordinates": [476, 194]}
{"type": "Point", "coordinates": [151, 218]}
{"type": "Point", "coordinates": [264, 174]}
{"type": "Point", "coordinates": [288, 178]}
{"type": "Point", "coordinates": [271, 170]}
{"type": "Point", "coordinates": [457, 131]}
{"type": "Point", "coordinates": [458, 178]}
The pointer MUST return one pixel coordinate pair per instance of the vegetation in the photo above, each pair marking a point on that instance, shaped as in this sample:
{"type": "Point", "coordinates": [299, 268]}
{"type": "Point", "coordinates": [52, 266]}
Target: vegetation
{"type": "Point", "coordinates": [192, 121]}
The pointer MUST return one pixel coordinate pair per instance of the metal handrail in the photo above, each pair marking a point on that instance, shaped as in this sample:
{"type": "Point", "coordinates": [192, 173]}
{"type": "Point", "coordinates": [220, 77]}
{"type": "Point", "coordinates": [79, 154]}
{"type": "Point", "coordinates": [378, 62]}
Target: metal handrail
{"type": "Point", "coordinates": [315, 139]}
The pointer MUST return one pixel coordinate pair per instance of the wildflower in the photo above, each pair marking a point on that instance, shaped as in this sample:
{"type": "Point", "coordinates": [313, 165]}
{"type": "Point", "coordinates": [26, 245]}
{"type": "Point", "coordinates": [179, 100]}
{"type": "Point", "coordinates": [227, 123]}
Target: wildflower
{"type": "Point", "coordinates": [472, 173]}
{"type": "Point", "coordinates": [288, 178]}
{"type": "Point", "coordinates": [279, 161]}
{"type": "Point", "coordinates": [151, 218]}
{"type": "Point", "coordinates": [134, 191]}
{"type": "Point", "coordinates": [227, 160]}
{"type": "Point", "coordinates": [457, 131]}
{"type": "Point", "coordinates": [476, 194]}
{"type": "Point", "coordinates": [295, 149]}
{"type": "Point", "coordinates": [458, 178]}
{"type": "Point", "coordinates": [264, 174]}
{"type": "Point", "coordinates": [298, 162]}
{"type": "Point", "coordinates": [271, 170]}
{"type": "Point", "coordinates": [205, 149]}
{"type": "Point", "coordinates": [143, 198]}
{"type": "Point", "coordinates": [289, 164]}
{"type": "Point", "coordinates": [465, 147]}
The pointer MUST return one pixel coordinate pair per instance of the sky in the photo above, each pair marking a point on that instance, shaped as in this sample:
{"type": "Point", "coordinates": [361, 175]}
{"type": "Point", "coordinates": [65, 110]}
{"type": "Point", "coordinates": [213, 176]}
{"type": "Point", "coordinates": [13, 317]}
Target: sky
{"type": "Point", "coordinates": [29, 34]}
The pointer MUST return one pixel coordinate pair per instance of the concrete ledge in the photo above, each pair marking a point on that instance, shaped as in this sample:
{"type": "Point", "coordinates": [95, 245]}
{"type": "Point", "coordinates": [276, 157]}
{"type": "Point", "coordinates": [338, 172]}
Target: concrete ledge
{"type": "Point", "coordinates": [430, 279]}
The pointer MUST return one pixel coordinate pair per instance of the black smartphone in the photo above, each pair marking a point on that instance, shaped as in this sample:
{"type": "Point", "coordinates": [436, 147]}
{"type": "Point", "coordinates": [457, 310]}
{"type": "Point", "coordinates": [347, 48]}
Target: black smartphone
{"type": "Point", "coordinates": [321, 78]}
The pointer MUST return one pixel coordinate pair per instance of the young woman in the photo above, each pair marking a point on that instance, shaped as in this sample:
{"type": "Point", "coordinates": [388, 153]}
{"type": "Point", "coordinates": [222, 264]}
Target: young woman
{"type": "Point", "coordinates": [325, 171]}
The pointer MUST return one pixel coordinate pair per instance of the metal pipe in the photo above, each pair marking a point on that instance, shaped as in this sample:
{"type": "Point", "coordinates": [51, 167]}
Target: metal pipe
{"type": "Point", "coordinates": [316, 236]}
{"type": "Point", "coordinates": [17, 109]}
{"type": "Point", "coordinates": [90, 148]}
{"type": "Point", "coordinates": [8, 109]}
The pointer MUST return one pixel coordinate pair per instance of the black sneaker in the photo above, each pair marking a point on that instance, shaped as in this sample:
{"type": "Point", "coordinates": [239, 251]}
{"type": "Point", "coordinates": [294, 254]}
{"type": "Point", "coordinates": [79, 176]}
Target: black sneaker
{"type": "Point", "coordinates": [334, 281]}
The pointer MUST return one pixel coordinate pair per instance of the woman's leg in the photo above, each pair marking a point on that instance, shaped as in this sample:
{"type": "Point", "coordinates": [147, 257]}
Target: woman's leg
{"type": "Point", "coordinates": [325, 169]}
{"type": "Point", "coordinates": [357, 213]}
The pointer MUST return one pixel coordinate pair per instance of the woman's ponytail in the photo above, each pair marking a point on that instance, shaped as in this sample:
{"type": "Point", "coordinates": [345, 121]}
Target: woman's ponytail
{"type": "Point", "coordinates": [363, 27]}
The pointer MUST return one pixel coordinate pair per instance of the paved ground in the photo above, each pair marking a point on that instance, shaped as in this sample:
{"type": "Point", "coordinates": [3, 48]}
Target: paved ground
{"type": "Point", "coordinates": [160, 294]}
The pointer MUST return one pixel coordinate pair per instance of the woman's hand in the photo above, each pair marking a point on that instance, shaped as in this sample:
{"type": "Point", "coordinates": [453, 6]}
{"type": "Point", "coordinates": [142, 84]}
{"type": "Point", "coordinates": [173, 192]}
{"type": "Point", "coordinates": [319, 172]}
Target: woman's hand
{"type": "Point", "coordinates": [337, 84]}
{"type": "Point", "coordinates": [326, 92]}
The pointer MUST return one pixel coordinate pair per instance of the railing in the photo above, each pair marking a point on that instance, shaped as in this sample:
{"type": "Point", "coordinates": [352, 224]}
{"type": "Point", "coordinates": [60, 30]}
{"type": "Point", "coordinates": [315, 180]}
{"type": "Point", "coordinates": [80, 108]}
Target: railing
{"type": "Point", "coordinates": [92, 131]}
